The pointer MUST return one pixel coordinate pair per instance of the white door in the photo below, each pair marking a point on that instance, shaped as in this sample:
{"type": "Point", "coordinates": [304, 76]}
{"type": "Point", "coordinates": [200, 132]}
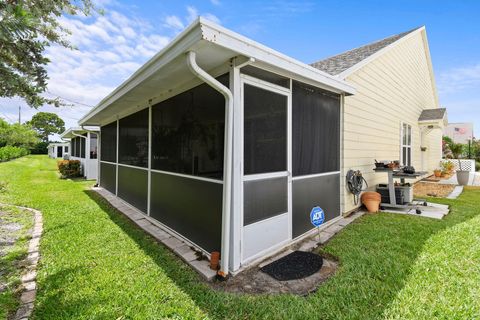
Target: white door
{"type": "Point", "coordinates": [266, 191]}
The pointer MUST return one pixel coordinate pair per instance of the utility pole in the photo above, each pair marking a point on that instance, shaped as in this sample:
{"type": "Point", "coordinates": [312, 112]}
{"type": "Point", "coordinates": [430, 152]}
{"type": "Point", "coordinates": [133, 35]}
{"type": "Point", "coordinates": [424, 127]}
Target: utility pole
{"type": "Point", "coordinates": [19, 114]}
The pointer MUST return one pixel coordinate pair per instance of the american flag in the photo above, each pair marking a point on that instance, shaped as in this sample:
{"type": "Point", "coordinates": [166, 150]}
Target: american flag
{"type": "Point", "coordinates": [461, 130]}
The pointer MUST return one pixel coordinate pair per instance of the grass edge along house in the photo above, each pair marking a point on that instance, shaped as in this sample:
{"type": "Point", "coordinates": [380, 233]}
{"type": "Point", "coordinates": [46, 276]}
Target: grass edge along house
{"type": "Point", "coordinates": [226, 143]}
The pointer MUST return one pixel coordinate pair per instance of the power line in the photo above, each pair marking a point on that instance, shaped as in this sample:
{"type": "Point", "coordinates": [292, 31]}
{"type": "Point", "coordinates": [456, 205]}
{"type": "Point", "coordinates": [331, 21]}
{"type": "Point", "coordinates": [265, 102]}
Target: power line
{"type": "Point", "coordinates": [7, 117]}
{"type": "Point", "coordinates": [70, 100]}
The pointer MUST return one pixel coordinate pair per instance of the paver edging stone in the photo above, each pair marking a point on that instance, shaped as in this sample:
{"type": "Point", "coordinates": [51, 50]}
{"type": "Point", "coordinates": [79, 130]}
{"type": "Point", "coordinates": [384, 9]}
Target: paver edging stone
{"type": "Point", "coordinates": [28, 280]}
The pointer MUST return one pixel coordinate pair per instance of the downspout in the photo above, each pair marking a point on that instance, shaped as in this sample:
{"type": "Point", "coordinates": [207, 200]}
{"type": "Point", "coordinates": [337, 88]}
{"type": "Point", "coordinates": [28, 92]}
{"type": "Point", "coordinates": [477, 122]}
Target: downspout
{"type": "Point", "coordinates": [227, 164]}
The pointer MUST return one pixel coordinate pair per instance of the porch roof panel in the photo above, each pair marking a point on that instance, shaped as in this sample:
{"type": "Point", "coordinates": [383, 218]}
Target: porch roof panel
{"type": "Point", "coordinates": [215, 47]}
{"type": "Point", "coordinates": [69, 133]}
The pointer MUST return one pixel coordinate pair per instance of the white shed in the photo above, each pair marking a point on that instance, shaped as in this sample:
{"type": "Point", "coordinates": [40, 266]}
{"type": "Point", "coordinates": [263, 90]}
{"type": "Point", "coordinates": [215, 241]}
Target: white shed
{"type": "Point", "coordinates": [57, 149]}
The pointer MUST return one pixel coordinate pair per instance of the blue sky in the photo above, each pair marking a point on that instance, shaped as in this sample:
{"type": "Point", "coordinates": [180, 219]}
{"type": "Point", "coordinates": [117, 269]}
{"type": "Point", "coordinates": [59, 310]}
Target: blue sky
{"type": "Point", "coordinates": [112, 46]}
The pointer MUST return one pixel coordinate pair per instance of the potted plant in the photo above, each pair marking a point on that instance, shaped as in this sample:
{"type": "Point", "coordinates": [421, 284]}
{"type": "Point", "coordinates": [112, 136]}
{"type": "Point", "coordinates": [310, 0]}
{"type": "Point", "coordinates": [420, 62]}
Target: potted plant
{"type": "Point", "coordinates": [462, 175]}
{"type": "Point", "coordinates": [437, 173]}
{"type": "Point", "coordinates": [371, 200]}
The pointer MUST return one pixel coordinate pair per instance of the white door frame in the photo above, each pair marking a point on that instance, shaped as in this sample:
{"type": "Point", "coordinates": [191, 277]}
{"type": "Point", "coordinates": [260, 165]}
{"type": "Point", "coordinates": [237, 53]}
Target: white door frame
{"type": "Point", "coordinates": [245, 79]}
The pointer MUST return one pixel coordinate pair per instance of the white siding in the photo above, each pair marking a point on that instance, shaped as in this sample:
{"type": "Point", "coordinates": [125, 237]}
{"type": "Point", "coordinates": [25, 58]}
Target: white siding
{"type": "Point", "coordinates": [393, 88]}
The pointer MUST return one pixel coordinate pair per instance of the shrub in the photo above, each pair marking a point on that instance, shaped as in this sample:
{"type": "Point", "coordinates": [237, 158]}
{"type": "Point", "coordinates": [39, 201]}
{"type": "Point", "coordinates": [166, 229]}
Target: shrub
{"type": "Point", "coordinates": [447, 166]}
{"type": "Point", "coordinates": [40, 148]}
{"type": "Point", "coordinates": [477, 165]}
{"type": "Point", "coordinates": [10, 152]}
{"type": "Point", "coordinates": [69, 168]}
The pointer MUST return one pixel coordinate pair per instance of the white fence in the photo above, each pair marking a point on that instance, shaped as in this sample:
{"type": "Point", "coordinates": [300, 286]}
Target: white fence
{"type": "Point", "coordinates": [467, 164]}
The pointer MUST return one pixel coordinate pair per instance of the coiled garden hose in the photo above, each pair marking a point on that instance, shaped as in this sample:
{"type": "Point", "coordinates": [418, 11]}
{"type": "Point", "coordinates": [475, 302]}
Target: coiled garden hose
{"type": "Point", "coordinates": [355, 182]}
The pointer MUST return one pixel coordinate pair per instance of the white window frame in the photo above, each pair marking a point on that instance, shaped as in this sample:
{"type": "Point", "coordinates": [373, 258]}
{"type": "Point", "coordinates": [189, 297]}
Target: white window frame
{"type": "Point", "coordinates": [408, 144]}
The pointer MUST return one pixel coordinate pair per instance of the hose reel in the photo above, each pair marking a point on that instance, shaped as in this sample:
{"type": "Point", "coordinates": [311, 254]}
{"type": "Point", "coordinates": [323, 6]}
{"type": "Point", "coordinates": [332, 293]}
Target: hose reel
{"type": "Point", "coordinates": [355, 182]}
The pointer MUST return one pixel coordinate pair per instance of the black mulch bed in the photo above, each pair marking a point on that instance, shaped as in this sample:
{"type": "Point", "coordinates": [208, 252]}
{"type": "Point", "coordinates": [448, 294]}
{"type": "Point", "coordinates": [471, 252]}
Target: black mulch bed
{"type": "Point", "coordinates": [296, 265]}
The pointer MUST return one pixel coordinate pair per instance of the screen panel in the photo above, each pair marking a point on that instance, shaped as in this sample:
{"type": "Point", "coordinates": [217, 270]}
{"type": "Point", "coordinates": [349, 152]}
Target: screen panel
{"type": "Point", "coordinates": [82, 147]}
{"type": "Point", "coordinates": [316, 130]}
{"type": "Point", "coordinates": [72, 147]}
{"type": "Point", "coordinates": [191, 207]}
{"type": "Point", "coordinates": [264, 199]}
{"type": "Point", "coordinates": [322, 191]}
{"type": "Point", "coordinates": [133, 139]}
{"type": "Point", "coordinates": [108, 142]}
{"type": "Point", "coordinates": [188, 132]}
{"type": "Point", "coordinates": [93, 145]}
{"type": "Point", "coordinates": [265, 131]}
{"type": "Point", "coordinates": [78, 147]}
{"type": "Point", "coordinates": [133, 186]}
{"type": "Point", "coordinates": [108, 176]}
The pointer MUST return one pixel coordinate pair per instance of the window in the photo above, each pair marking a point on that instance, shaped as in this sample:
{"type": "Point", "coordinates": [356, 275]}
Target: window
{"type": "Point", "coordinates": [108, 142]}
{"type": "Point", "coordinates": [265, 131]}
{"type": "Point", "coordinates": [133, 139]}
{"type": "Point", "coordinates": [406, 145]}
{"type": "Point", "coordinates": [93, 145]}
{"type": "Point", "coordinates": [315, 130]}
{"type": "Point", "coordinates": [188, 132]}
{"type": "Point", "coordinates": [66, 149]}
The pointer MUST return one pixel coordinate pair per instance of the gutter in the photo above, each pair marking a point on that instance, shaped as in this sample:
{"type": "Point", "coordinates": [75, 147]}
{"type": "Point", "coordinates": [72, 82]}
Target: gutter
{"type": "Point", "coordinates": [227, 158]}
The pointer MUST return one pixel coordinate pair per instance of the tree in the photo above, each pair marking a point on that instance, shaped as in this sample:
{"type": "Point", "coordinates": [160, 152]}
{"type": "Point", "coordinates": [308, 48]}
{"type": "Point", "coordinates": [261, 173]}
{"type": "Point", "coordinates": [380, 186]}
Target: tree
{"type": "Point", "coordinates": [27, 28]}
{"type": "Point", "coordinates": [17, 135]}
{"type": "Point", "coordinates": [456, 149]}
{"type": "Point", "coordinates": [47, 123]}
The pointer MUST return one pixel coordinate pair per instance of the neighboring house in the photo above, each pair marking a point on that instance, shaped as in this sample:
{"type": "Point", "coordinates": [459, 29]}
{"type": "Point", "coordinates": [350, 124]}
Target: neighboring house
{"type": "Point", "coordinates": [57, 149]}
{"type": "Point", "coordinates": [460, 132]}
{"type": "Point", "coordinates": [395, 112]}
{"type": "Point", "coordinates": [280, 125]}
{"type": "Point", "coordinates": [84, 147]}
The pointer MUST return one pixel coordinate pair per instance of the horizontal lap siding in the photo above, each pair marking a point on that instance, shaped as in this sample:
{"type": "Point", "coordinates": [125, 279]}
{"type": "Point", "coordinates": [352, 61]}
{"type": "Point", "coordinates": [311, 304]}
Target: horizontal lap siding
{"type": "Point", "coordinates": [393, 88]}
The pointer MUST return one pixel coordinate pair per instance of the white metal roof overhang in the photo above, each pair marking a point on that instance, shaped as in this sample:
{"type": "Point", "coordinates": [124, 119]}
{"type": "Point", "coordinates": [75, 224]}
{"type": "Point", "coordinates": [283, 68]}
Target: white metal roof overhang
{"type": "Point", "coordinates": [73, 131]}
{"type": "Point", "coordinates": [214, 46]}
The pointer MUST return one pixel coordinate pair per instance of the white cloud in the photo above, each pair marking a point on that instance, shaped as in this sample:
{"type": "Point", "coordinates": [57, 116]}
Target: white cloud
{"type": "Point", "coordinates": [174, 22]}
{"type": "Point", "coordinates": [177, 24]}
{"type": "Point", "coordinates": [458, 91]}
{"type": "Point", "coordinates": [212, 18]}
{"type": "Point", "coordinates": [215, 2]}
{"type": "Point", "coordinates": [192, 14]}
{"type": "Point", "coordinates": [459, 79]}
{"type": "Point", "coordinates": [110, 48]}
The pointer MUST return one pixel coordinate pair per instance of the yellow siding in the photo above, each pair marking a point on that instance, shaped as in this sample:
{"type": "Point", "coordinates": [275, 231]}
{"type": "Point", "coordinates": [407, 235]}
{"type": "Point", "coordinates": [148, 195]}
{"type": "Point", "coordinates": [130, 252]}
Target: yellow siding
{"type": "Point", "coordinates": [391, 89]}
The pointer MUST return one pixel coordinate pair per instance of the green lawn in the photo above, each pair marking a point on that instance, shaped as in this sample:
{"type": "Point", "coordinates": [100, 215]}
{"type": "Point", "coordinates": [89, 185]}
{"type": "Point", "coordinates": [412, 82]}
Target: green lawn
{"type": "Point", "coordinates": [97, 265]}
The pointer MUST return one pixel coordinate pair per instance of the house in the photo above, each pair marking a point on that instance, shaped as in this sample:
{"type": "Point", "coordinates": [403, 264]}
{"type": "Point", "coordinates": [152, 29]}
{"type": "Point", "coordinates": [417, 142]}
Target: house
{"type": "Point", "coordinates": [395, 113]}
{"type": "Point", "coordinates": [57, 149]}
{"type": "Point", "coordinates": [231, 145]}
{"type": "Point", "coordinates": [84, 147]}
{"type": "Point", "coordinates": [460, 132]}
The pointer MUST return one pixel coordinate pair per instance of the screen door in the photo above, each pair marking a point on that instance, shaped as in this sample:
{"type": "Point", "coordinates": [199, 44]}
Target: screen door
{"type": "Point", "coordinates": [266, 167]}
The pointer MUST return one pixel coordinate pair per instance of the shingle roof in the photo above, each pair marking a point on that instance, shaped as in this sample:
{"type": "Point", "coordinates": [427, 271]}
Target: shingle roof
{"type": "Point", "coordinates": [343, 61]}
{"type": "Point", "coordinates": [432, 114]}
